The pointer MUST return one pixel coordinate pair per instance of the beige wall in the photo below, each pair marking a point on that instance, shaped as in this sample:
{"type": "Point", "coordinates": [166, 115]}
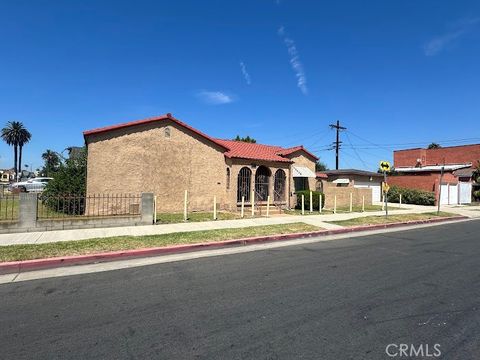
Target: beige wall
{"type": "Point", "coordinates": [237, 164]}
{"type": "Point", "coordinates": [300, 158]}
{"type": "Point", "coordinates": [143, 159]}
{"type": "Point", "coordinates": [343, 195]}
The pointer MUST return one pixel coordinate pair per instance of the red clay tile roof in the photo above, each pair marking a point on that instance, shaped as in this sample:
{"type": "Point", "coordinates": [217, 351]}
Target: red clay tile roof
{"type": "Point", "coordinates": [147, 121]}
{"type": "Point", "coordinates": [294, 149]}
{"type": "Point", "coordinates": [244, 150]}
{"type": "Point", "coordinates": [321, 175]}
{"type": "Point", "coordinates": [234, 149]}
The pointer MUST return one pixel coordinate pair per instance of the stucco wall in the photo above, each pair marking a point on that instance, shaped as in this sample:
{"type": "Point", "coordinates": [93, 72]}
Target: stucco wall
{"type": "Point", "coordinates": [143, 159]}
{"type": "Point", "coordinates": [300, 158]}
{"type": "Point", "coordinates": [237, 164]}
{"type": "Point", "coordinates": [343, 195]}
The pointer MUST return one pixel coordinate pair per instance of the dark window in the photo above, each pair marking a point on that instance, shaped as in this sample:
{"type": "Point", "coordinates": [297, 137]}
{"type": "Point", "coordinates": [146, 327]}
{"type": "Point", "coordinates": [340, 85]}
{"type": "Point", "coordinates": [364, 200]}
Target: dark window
{"type": "Point", "coordinates": [243, 184]}
{"type": "Point", "coordinates": [262, 178]}
{"type": "Point", "coordinates": [167, 132]}
{"type": "Point", "coordinates": [279, 186]}
{"type": "Point", "coordinates": [301, 183]}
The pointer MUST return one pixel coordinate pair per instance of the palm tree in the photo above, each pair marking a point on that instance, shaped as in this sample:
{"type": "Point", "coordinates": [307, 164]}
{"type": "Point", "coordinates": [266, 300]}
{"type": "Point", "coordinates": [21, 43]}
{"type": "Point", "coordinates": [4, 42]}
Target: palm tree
{"type": "Point", "coordinates": [52, 161]}
{"type": "Point", "coordinates": [16, 135]}
{"type": "Point", "coordinates": [10, 136]}
{"type": "Point", "coordinates": [24, 137]}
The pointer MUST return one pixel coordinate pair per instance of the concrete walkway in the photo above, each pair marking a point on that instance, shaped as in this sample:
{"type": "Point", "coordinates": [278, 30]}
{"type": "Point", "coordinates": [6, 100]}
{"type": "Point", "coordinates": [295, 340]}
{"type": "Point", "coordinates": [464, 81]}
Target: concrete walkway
{"type": "Point", "coordinates": [317, 220]}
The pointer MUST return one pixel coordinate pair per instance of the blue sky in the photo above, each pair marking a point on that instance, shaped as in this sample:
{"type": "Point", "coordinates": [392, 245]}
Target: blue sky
{"type": "Point", "coordinates": [398, 74]}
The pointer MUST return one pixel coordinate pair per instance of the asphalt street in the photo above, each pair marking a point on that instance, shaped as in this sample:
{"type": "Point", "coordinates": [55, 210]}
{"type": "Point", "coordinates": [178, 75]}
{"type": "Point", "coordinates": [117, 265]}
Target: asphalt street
{"type": "Point", "coordinates": [342, 299]}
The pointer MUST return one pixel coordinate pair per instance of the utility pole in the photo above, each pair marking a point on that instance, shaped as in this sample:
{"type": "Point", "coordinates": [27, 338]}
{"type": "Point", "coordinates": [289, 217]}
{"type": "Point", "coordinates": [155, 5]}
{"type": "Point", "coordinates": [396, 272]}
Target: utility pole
{"type": "Point", "coordinates": [337, 142]}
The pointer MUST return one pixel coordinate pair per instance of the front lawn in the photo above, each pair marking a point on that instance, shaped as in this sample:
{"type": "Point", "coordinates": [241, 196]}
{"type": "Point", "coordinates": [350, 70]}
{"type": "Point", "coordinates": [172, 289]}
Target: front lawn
{"type": "Point", "coordinates": [172, 218]}
{"type": "Point", "coordinates": [342, 209]}
{"type": "Point", "coordinates": [372, 220]}
{"type": "Point", "coordinates": [100, 245]}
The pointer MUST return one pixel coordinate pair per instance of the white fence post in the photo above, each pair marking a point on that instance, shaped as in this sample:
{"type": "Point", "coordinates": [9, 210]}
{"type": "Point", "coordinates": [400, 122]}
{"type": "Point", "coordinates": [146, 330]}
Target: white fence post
{"type": "Point", "coordinates": [363, 203]}
{"type": "Point", "coordinates": [242, 213]}
{"type": "Point", "coordinates": [155, 209]}
{"type": "Point", "coordinates": [268, 204]}
{"type": "Point", "coordinates": [311, 201]}
{"type": "Point", "coordinates": [351, 202]}
{"type": "Point", "coordinates": [400, 203]}
{"type": "Point", "coordinates": [253, 203]}
{"type": "Point", "coordinates": [185, 201]}
{"type": "Point", "coordinates": [214, 208]}
{"type": "Point", "coordinates": [320, 203]}
{"type": "Point", "coordinates": [303, 204]}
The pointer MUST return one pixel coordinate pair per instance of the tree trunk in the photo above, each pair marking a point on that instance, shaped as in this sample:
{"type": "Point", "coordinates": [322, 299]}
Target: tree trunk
{"type": "Point", "coordinates": [15, 161]}
{"type": "Point", "coordinates": [20, 159]}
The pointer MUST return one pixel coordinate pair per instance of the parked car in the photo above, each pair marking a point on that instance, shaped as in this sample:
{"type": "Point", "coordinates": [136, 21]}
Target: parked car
{"type": "Point", "coordinates": [31, 185]}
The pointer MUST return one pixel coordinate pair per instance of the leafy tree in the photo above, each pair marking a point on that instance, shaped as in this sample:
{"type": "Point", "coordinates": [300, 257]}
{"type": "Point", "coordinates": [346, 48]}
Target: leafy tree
{"type": "Point", "coordinates": [247, 139]}
{"type": "Point", "coordinates": [70, 177]}
{"type": "Point", "coordinates": [52, 162]}
{"type": "Point", "coordinates": [476, 172]}
{"type": "Point", "coordinates": [320, 166]}
{"type": "Point", "coordinates": [434, 146]}
{"type": "Point", "coordinates": [15, 134]}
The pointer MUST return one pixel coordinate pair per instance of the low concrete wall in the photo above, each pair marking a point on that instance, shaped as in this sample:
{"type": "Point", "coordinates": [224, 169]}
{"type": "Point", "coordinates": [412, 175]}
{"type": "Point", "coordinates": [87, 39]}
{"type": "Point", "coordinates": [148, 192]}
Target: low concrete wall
{"type": "Point", "coordinates": [343, 196]}
{"type": "Point", "coordinates": [28, 221]}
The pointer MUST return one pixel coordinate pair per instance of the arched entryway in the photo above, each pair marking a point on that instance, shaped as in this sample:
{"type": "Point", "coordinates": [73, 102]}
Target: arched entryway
{"type": "Point", "coordinates": [262, 182]}
{"type": "Point", "coordinates": [279, 185]}
{"type": "Point", "coordinates": [243, 184]}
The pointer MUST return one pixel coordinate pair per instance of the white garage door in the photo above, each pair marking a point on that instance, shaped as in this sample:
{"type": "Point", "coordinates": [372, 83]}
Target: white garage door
{"type": "Point", "coordinates": [465, 193]}
{"type": "Point", "coordinates": [449, 194]}
{"type": "Point", "coordinates": [376, 189]}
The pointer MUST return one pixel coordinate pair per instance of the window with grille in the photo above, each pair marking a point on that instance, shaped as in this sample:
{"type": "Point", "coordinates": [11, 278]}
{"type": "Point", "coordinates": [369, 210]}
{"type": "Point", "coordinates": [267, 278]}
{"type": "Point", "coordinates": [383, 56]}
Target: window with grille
{"type": "Point", "coordinates": [279, 185]}
{"type": "Point", "coordinates": [243, 184]}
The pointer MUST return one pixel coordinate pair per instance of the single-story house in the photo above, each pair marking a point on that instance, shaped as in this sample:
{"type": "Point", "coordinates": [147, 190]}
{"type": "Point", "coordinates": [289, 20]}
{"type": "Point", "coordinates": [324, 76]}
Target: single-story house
{"type": "Point", "coordinates": [352, 178]}
{"type": "Point", "coordinates": [165, 156]}
{"type": "Point", "coordinates": [422, 169]}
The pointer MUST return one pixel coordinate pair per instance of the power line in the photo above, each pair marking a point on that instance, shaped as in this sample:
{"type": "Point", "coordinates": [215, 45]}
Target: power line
{"type": "Point", "coordinates": [355, 150]}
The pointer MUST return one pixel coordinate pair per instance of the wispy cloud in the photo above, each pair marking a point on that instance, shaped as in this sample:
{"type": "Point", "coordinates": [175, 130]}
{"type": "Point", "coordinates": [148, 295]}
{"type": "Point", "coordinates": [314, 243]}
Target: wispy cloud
{"type": "Point", "coordinates": [215, 97]}
{"type": "Point", "coordinates": [438, 43]}
{"type": "Point", "coordinates": [295, 62]}
{"type": "Point", "coordinates": [245, 73]}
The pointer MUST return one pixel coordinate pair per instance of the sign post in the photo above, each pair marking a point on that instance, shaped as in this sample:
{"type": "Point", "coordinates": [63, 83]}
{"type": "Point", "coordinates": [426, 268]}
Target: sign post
{"type": "Point", "coordinates": [385, 167]}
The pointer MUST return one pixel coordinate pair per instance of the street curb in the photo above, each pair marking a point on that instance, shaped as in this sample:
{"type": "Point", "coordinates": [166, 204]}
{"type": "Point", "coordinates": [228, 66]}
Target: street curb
{"type": "Point", "coordinates": [37, 264]}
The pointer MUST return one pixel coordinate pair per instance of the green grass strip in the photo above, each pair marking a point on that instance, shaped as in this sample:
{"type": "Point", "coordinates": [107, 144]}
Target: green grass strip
{"type": "Point", "coordinates": [99, 245]}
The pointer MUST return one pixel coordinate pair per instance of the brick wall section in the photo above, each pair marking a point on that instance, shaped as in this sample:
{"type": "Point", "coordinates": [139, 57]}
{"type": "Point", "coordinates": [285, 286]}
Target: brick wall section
{"type": "Point", "coordinates": [423, 181]}
{"type": "Point", "coordinates": [449, 155]}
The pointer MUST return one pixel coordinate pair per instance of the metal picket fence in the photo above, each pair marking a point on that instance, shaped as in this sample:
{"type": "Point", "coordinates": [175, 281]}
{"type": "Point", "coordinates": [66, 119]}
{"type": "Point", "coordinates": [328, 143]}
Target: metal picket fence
{"type": "Point", "coordinates": [91, 205]}
{"type": "Point", "coordinates": [9, 204]}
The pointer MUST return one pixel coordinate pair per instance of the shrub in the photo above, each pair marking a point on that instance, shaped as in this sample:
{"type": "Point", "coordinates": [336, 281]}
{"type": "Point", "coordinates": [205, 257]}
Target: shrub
{"type": "Point", "coordinates": [411, 196]}
{"type": "Point", "coordinates": [315, 195]}
{"type": "Point", "coordinates": [476, 195]}
{"type": "Point", "coordinates": [69, 180]}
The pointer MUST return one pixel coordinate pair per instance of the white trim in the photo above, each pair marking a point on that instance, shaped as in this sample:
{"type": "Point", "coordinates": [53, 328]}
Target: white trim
{"type": "Point", "coordinates": [433, 168]}
{"type": "Point", "coordinates": [302, 172]}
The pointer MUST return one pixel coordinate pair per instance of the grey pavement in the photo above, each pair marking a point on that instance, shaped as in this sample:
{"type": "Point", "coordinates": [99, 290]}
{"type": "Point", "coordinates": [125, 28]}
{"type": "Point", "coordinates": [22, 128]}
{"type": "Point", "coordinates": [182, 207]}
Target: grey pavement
{"type": "Point", "coordinates": [343, 299]}
{"type": "Point", "coordinates": [317, 220]}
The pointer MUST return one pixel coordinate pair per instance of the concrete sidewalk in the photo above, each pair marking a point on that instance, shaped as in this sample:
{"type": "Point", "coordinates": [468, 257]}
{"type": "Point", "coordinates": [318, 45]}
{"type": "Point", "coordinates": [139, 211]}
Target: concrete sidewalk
{"type": "Point", "coordinates": [317, 220]}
